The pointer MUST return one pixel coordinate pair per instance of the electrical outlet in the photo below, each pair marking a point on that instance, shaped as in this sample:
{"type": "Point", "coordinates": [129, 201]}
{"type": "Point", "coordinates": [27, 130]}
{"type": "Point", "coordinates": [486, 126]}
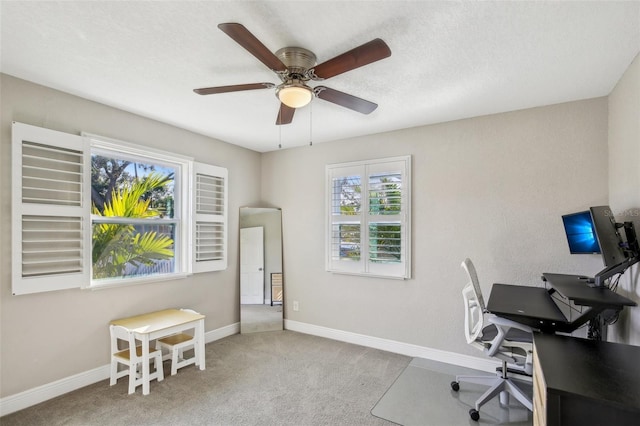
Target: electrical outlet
{"type": "Point", "coordinates": [296, 306]}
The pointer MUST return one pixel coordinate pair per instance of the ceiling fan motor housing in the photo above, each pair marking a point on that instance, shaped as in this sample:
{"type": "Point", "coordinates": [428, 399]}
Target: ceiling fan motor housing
{"type": "Point", "coordinates": [298, 61]}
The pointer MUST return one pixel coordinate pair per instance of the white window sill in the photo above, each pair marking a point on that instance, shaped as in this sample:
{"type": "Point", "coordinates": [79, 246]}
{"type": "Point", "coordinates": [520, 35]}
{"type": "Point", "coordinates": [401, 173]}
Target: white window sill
{"type": "Point", "coordinates": [364, 274]}
{"type": "Point", "coordinates": [121, 282]}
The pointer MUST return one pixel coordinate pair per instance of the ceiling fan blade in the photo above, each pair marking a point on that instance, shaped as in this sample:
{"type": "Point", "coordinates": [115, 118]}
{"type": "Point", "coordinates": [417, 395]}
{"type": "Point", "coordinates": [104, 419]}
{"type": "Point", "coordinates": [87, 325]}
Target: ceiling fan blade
{"type": "Point", "coordinates": [345, 100]}
{"type": "Point", "coordinates": [360, 56]}
{"type": "Point", "coordinates": [234, 88]}
{"type": "Point", "coordinates": [285, 115]}
{"type": "Point", "coordinates": [244, 38]}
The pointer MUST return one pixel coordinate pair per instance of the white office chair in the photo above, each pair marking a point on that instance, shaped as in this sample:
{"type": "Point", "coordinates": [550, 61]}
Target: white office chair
{"type": "Point", "coordinates": [507, 340]}
{"type": "Point", "coordinates": [132, 358]}
{"type": "Point", "coordinates": [175, 345]}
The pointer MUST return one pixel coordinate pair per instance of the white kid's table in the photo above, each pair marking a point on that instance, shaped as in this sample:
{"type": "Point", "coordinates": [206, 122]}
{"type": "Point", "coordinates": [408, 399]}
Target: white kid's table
{"type": "Point", "coordinates": [154, 325]}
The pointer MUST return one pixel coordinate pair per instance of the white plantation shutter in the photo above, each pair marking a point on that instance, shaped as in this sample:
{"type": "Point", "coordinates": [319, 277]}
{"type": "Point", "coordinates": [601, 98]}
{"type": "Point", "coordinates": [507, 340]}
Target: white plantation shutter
{"type": "Point", "coordinates": [369, 217]}
{"type": "Point", "coordinates": [210, 218]}
{"type": "Point", "coordinates": [51, 235]}
{"type": "Point", "coordinates": [387, 219]}
{"type": "Point", "coordinates": [345, 218]}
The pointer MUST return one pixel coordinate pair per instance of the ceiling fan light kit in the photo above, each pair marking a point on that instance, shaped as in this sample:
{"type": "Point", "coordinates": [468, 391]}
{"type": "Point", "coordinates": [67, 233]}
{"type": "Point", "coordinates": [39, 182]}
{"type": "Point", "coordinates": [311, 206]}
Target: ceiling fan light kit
{"type": "Point", "coordinates": [294, 94]}
{"type": "Point", "coordinates": [295, 66]}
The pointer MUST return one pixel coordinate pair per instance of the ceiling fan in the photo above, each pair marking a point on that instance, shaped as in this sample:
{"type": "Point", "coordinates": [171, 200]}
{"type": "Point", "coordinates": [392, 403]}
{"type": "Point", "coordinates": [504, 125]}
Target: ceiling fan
{"type": "Point", "coordinates": [295, 66]}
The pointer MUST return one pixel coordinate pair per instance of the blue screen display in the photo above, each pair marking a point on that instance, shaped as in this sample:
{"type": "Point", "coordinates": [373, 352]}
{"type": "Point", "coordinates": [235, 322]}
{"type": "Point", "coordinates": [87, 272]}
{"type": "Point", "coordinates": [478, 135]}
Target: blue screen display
{"type": "Point", "coordinates": [580, 233]}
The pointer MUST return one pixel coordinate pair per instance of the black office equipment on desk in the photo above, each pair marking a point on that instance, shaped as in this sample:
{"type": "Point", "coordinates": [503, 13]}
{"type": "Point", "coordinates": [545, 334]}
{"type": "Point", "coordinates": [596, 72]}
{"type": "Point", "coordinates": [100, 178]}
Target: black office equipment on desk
{"type": "Point", "coordinates": [532, 306]}
{"type": "Point", "coordinates": [580, 299]}
{"type": "Point", "coordinates": [596, 231]}
{"type": "Point", "coordinates": [593, 301]}
{"type": "Point", "coordinates": [581, 233]}
{"type": "Point", "coordinates": [577, 289]}
{"type": "Point", "coordinates": [535, 306]}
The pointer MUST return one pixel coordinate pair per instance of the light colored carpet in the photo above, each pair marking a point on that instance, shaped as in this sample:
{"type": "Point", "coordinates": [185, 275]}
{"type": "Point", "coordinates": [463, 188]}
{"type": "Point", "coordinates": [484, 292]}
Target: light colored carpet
{"type": "Point", "coordinates": [281, 378]}
{"type": "Point", "coordinates": [271, 378]}
{"type": "Point", "coordinates": [422, 396]}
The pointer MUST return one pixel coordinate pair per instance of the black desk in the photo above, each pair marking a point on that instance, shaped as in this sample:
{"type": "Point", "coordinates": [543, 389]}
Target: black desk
{"type": "Point", "coordinates": [534, 306]}
{"type": "Point", "coordinates": [531, 306]}
{"type": "Point", "coordinates": [576, 289]}
{"type": "Point", "coordinates": [585, 382]}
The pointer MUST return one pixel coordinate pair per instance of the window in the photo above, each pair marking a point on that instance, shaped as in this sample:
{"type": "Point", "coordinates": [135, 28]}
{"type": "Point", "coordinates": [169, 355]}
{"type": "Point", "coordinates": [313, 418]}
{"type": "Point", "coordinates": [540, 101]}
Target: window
{"type": "Point", "coordinates": [93, 212]}
{"type": "Point", "coordinates": [137, 229]}
{"type": "Point", "coordinates": [368, 227]}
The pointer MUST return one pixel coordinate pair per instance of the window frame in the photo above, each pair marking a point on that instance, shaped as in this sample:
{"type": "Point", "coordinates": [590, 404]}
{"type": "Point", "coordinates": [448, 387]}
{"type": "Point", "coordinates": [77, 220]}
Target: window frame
{"type": "Point", "coordinates": [182, 188]}
{"type": "Point", "coordinates": [364, 266]}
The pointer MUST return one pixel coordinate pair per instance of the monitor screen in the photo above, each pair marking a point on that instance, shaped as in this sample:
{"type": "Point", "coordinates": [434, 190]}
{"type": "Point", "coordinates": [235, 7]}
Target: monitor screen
{"type": "Point", "coordinates": [580, 233]}
{"type": "Point", "coordinates": [608, 237]}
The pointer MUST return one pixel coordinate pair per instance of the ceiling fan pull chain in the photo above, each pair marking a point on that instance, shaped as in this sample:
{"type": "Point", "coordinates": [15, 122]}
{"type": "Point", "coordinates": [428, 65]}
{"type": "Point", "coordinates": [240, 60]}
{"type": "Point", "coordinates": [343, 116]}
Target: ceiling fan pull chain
{"type": "Point", "coordinates": [311, 124]}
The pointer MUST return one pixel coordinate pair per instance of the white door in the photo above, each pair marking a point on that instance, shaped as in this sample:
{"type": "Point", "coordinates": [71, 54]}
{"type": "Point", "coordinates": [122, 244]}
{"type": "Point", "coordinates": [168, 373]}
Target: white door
{"type": "Point", "coordinates": [252, 266]}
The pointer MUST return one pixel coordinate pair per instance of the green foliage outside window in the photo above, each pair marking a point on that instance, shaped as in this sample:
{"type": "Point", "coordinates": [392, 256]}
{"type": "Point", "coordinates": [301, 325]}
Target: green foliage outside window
{"type": "Point", "coordinates": [385, 198]}
{"type": "Point", "coordinates": [117, 246]}
{"type": "Point", "coordinates": [385, 239]}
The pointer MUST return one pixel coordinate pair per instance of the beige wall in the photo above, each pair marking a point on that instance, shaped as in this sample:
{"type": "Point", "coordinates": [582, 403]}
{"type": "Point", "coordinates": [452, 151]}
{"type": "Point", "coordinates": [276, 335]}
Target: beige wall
{"type": "Point", "coordinates": [624, 184]}
{"type": "Point", "coordinates": [49, 336]}
{"type": "Point", "coordinates": [490, 188]}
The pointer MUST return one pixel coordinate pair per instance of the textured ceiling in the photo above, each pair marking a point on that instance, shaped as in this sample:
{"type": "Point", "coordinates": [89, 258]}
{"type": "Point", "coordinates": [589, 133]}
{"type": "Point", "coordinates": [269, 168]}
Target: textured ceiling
{"type": "Point", "coordinates": [450, 60]}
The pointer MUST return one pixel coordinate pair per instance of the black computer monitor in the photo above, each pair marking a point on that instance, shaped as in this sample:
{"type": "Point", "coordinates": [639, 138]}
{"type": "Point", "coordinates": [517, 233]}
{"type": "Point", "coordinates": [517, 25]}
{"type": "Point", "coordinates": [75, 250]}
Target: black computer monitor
{"type": "Point", "coordinates": [618, 255]}
{"type": "Point", "coordinates": [596, 231]}
{"type": "Point", "coordinates": [580, 233]}
{"type": "Point", "coordinates": [609, 239]}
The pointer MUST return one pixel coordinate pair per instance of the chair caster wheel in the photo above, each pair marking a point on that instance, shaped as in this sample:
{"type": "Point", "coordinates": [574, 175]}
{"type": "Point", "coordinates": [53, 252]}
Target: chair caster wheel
{"type": "Point", "coordinates": [474, 414]}
{"type": "Point", "coordinates": [455, 386]}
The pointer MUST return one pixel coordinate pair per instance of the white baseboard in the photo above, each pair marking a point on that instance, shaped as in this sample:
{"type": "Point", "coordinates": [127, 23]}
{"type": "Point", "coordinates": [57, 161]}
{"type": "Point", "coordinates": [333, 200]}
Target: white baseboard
{"type": "Point", "coordinates": [13, 403]}
{"type": "Point", "coordinates": [222, 332]}
{"type": "Point", "coordinates": [402, 348]}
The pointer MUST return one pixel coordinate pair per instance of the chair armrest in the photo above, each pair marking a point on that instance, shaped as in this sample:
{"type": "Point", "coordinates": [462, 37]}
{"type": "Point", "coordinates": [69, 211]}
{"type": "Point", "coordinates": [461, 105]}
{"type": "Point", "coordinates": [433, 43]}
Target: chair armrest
{"type": "Point", "coordinates": [502, 326]}
{"type": "Point", "coordinates": [507, 323]}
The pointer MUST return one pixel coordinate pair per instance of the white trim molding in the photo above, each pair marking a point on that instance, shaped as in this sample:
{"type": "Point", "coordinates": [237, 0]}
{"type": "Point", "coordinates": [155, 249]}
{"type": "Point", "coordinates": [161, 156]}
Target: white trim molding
{"type": "Point", "coordinates": [22, 400]}
{"type": "Point", "coordinates": [394, 346]}
{"type": "Point", "coordinates": [222, 332]}
{"type": "Point", "coordinates": [19, 401]}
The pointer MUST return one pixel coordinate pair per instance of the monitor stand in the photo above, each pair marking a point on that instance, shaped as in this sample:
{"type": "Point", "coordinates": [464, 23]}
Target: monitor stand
{"type": "Point", "coordinates": [602, 276]}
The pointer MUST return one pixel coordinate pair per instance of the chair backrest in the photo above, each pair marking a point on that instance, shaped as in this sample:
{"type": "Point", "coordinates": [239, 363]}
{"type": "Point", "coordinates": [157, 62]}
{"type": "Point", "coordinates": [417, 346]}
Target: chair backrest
{"type": "Point", "coordinates": [121, 333]}
{"type": "Point", "coordinates": [473, 304]}
{"type": "Point", "coordinates": [473, 278]}
{"type": "Point", "coordinates": [474, 319]}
